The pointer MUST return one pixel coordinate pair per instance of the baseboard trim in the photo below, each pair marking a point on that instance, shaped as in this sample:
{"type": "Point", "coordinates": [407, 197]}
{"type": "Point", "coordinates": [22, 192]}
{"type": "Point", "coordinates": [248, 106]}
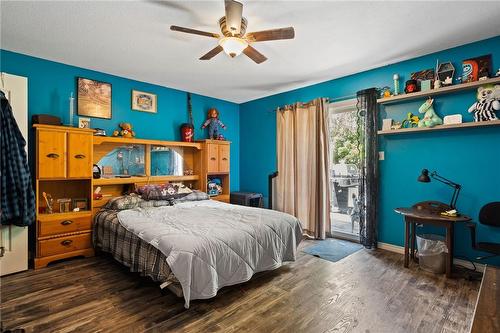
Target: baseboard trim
{"type": "Point", "coordinates": [401, 250]}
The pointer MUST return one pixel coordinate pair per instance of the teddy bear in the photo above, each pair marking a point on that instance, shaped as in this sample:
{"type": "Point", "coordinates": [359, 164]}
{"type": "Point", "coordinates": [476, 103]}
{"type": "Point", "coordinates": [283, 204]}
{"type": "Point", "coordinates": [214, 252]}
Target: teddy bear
{"type": "Point", "coordinates": [126, 131]}
{"type": "Point", "coordinates": [488, 101]}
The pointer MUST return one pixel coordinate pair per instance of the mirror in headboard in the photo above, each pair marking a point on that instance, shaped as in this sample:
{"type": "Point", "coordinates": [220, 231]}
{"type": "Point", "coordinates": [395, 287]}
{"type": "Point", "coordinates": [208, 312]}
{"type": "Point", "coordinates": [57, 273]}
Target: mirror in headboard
{"type": "Point", "coordinates": [123, 160]}
{"type": "Point", "coordinates": [167, 161]}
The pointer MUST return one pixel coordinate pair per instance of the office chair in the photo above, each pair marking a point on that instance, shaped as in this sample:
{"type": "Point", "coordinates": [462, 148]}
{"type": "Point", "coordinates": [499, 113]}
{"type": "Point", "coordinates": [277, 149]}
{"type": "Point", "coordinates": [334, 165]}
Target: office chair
{"type": "Point", "coordinates": [488, 215]}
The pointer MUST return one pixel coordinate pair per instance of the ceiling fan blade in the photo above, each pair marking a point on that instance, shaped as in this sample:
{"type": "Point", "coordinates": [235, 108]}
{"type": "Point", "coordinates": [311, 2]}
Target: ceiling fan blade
{"type": "Point", "coordinates": [212, 53]}
{"type": "Point", "coordinates": [194, 31]}
{"type": "Point", "coordinates": [273, 34]}
{"type": "Point", "coordinates": [254, 54]}
{"type": "Point", "coordinates": [234, 12]}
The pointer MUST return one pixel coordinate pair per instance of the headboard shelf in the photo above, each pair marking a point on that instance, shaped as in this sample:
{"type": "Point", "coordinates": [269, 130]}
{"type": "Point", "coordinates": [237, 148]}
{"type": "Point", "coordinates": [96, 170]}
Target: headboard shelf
{"type": "Point", "coordinates": [120, 140]}
{"type": "Point", "coordinates": [147, 179]}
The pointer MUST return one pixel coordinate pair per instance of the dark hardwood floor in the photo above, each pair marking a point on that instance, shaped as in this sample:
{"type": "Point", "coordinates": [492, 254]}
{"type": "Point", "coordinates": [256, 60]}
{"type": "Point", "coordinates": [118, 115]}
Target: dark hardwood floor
{"type": "Point", "coordinates": [369, 291]}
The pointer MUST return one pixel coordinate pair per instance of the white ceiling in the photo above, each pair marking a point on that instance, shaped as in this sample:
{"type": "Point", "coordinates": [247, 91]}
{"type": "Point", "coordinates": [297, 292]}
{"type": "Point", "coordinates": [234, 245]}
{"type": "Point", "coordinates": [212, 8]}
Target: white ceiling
{"type": "Point", "coordinates": [333, 39]}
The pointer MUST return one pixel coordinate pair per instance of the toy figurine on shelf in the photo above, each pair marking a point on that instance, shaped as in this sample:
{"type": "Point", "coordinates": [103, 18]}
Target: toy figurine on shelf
{"type": "Point", "coordinates": [448, 81]}
{"type": "Point", "coordinates": [48, 202]}
{"type": "Point", "coordinates": [437, 84]}
{"type": "Point", "coordinates": [488, 101]}
{"type": "Point", "coordinates": [213, 124]}
{"type": "Point", "coordinates": [212, 188]}
{"type": "Point", "coordinates": [411, 86]}
{"type": "Point", "coordinates": [125, 131]}
{"type": "Point", "coordinates": [410, 121]}
{"type": "Point", "coordinates": [386, 92]}
{"type": "Point", "coordinates": [430, 119]}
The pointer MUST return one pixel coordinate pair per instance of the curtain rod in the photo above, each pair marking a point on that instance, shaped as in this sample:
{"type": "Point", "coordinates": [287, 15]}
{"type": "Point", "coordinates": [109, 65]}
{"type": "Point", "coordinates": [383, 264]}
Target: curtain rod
{"type": "Point", "coordinates": [339, 99]}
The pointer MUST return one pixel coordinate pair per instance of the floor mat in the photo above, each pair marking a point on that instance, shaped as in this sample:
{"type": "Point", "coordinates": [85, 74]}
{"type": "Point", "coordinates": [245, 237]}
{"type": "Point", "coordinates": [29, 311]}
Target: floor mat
{"type": "Point", "coordinates": [332, 249]}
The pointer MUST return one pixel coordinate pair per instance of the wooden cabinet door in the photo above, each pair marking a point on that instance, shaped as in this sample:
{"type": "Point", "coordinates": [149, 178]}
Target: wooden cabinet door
{"type": "Point", "coordinates": [51, 154]}
{"type": "Point", "coordinates": [223, 158]}
{"type": "Point", "coordinates": [79, 155]}
{"type": "Point", "coordinates": [213, 158]}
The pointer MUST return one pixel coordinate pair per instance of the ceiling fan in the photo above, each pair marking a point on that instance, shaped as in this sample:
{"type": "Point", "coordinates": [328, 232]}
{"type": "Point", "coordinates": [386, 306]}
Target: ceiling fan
{"type": "Point", "coordinates": [234, 40]}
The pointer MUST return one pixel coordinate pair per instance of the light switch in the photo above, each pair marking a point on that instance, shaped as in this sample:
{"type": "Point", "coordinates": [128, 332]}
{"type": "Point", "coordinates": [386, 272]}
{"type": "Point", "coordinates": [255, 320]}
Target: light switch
{"type": "Point", "coordinates": [381, 156]}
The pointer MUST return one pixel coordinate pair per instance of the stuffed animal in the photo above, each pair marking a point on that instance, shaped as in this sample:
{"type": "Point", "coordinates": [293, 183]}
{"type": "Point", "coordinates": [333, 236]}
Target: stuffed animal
{"type": "Point", "coordinates": [213, 124]}
{"type": "Point", "coordinates": [430, 119]}
{"type": "Point", "coordinates": [126, 131]}
{"type": "Point", "coordinates": [488, 101]}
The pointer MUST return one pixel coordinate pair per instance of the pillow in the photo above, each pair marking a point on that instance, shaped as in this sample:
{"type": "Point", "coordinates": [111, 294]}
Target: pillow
{"type": "Point", "coordinates": [123, 202]}
{"type": "Point", "coordinates": [194, 196]}
{"type": "Point", "coordinates": [162, 192]}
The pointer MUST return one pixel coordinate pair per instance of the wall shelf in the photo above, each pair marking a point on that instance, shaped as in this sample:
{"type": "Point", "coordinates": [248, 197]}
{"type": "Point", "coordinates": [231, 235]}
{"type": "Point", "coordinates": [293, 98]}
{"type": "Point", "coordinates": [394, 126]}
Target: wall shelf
{"type": "Point", "coordinates": [435, 92]}
{"type": "Point", "coordinates": [126, 141]}
{"type": "Point", "coordinates": [147, 179]}
{"type": "Point", "coordinates": [441, 127]}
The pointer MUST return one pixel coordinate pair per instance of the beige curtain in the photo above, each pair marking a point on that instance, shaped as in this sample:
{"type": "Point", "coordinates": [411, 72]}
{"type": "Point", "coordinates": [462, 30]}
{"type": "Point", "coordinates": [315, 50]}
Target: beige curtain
{"type": "Point", "coordinates": [302, 185]}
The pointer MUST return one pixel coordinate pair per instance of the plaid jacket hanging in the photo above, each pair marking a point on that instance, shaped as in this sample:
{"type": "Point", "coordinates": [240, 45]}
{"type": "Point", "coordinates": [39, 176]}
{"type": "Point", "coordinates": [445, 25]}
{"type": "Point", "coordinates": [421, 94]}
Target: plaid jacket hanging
{"type": "Point", "coordinates": [18, 199]}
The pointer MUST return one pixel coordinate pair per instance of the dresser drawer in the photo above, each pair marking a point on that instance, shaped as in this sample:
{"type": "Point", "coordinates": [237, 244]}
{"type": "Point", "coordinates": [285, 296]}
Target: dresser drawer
{"type": "Point", "coordinates": [62, 225]}
{"type": "Point", "coordinates": [61, 245]}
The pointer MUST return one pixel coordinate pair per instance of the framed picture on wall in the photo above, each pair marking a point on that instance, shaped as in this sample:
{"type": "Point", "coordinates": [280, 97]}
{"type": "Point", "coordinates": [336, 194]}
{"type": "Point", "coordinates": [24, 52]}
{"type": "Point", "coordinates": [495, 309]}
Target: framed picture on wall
{"type": "Point", "coordinates": [143, 101]}
{"type": "Point", "coordinates": [94, 98]}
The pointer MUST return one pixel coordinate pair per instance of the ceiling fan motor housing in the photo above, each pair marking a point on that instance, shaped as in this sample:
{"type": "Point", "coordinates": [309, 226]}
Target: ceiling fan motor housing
{"type": "Point", "coordinates": [227, 32]}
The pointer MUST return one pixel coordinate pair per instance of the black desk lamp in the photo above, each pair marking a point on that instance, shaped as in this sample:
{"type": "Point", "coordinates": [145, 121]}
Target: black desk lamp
{"type": "Point", "coordinates": [424, 178]}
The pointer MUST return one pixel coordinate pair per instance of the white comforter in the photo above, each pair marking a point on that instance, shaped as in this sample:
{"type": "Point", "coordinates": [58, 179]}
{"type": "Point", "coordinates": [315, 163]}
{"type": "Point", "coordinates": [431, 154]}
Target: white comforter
{"type": "Point", "coordinates": [210, 244]}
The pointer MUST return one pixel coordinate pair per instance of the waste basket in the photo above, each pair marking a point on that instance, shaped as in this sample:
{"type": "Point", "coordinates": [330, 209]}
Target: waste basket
{"type": "Point", "coordinates": [432, 253]}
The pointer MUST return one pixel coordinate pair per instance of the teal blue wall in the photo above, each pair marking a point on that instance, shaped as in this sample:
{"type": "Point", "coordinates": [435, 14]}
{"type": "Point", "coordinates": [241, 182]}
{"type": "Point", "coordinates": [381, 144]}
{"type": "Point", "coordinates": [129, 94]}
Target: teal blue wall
{"type": "Point", "coordinates": [470, 157]}
{"type": "Point", "coordinates": [50, 84]}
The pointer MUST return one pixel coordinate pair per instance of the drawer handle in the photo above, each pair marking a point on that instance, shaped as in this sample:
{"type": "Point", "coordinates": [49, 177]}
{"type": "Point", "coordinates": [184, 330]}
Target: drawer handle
{"type": "Point", "coordinates": [80, 156]}
{"type": "Point", "coordinates": [66, 242]}
{"type": "Point", "coordinates": [66, 222]}
{"type": "Point", "coordinates": [224, 159]}
{"type": "Point", "coordinates": [213, 158]}
{"type": "Point", "coordinates": [53, 155]}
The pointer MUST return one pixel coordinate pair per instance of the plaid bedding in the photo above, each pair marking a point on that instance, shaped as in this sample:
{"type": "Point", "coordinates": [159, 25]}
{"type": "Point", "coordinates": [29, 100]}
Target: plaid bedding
{"type": "Point", "coordinates": [128, 249]}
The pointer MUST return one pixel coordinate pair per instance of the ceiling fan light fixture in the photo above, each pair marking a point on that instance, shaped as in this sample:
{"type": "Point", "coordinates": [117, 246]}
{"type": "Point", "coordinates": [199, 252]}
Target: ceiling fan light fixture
{"type": "Point", "coordinates": [233, 46]}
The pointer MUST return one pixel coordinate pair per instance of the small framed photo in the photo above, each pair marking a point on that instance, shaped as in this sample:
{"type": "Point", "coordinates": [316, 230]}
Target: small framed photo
{"type": "Point", "coordinates": [81, 204]}
{"type": "Point", "coordinates": [83, 122]}
{"type": "Point", "coordinates": [64, 205]}
{"type": "Point", "coordinates": [143, 101]}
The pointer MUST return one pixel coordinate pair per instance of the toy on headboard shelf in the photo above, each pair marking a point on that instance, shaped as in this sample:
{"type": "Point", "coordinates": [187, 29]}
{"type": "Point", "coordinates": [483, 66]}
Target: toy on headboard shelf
{"type": "Point", "coordinates": [126, 131]}
{"type": "Point", "coordinates": [430, 119]}
{"type": "Point", "coordinates": [213, 124]}
{"type": "Point", "coordinates": [214, 187]}
{"type": "Point", "coordinates": [488, 101]}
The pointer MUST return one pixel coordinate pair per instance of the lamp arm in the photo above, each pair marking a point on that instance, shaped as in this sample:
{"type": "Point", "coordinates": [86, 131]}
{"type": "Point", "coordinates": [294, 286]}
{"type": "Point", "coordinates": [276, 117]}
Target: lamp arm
{"type": "Point", "coordinates": [444, 180]}
{"type": "Point", "coordinates": [450, 183]}
{"type": "Point", "coordinates": [454, 198]}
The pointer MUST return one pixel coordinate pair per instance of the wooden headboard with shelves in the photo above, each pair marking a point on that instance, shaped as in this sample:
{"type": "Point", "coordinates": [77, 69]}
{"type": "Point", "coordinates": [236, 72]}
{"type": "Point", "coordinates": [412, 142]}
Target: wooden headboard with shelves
{"type": "Point", "coordinates": [63, 160]}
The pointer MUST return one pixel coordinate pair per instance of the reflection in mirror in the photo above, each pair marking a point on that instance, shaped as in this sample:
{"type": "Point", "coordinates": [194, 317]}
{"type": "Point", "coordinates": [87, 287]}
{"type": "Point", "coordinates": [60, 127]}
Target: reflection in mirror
{"type": "Point", "coordinates": [123, 161]}
{"type": "Point", "coordinates": [166, 161]}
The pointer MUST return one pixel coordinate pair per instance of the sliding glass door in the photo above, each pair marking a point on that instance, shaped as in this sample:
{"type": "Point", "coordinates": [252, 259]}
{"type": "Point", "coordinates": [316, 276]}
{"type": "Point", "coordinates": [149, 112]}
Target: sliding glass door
{"type": "Point", "coordinates": [346, 151]}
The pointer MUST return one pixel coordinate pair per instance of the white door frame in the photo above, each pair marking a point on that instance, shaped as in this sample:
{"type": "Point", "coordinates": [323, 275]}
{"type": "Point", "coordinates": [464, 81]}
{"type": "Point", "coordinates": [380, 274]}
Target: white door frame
{"type": "Point", "coordinates": [13, 239]}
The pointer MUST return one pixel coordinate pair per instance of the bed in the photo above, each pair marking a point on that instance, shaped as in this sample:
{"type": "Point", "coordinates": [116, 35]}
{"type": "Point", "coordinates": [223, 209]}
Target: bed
{"type": "Point", "coordinates": [197, 247]}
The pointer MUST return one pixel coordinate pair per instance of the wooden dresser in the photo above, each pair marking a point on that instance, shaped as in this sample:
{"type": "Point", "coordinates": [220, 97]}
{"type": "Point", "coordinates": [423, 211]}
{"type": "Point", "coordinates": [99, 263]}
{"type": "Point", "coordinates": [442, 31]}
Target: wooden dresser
{"type": "Point", "coordinates": [63, 170]}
